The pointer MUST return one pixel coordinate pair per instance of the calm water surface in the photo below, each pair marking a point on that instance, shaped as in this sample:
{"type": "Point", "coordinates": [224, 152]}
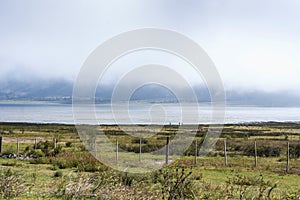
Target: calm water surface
{"type": "Point", "coordinates": [142, 113]}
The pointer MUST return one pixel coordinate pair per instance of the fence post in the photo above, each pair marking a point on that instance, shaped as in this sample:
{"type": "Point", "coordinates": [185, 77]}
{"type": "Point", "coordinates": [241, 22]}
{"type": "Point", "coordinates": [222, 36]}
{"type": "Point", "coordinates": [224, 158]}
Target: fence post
{"type": "Point", "coordinates": [75, 144]}
{"type": "Point", "coordinates": [0, 144]}
{"type": "Point", "coordinates": [196, 152]}
{"type": "Point", "coordinates": [18, 146]}
{"type": "Point", "coordinates": [255, 154]}
{"type": "Point", "coordinates": [54, 142]}
{"type": "Point", "coordinates": [225, 152]}
{"type": "Point", "coordinates": [35, 144]}
{"type": "Point", "coordinates": [167, 150]}
{"type": "Point", "coordinates": [298, 149]}
{"type": "Point", "coordinates": [140, 149]}
{"type": "Point", "coordinates": [287, 157]}
{"type": "Point", "coordinates": [117, 150]}
{"type": "Point", "coordinates": [95, 148]}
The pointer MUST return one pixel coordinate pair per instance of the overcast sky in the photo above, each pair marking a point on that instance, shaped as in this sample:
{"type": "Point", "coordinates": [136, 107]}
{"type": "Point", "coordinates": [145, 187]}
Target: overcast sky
{"type": "Point", "coordinates": [255, 44]}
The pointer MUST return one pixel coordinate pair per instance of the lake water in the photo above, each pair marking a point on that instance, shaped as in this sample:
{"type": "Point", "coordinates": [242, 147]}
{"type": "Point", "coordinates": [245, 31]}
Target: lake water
{"type": "Point", "coordinates": [142, 114]}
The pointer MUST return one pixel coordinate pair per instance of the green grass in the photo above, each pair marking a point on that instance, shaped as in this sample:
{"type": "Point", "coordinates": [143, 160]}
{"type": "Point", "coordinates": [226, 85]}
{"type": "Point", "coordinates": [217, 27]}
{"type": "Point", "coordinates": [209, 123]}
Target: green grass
{"type": "Point", "coordinates": [41, 182]}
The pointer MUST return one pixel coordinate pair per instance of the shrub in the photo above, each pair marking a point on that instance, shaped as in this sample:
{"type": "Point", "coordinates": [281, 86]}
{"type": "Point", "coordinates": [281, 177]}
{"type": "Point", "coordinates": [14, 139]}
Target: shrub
{"type": "Point", "coordinates": [266, 151]}
{"type": "Point", "coordinates": [80, 187]}
{"type": "Point", "coordinates": [136, 140]}
{"type": "Point", "coordinates": [176, 183]}
{"type": "Point", "coordinates": [11, 184]}
{"type": "Point", "coordinates": [241, 184]}
{"type": "Point", "coordinates": [58, 174]}
{"type": "Point", "coordinates": [104, 185]}
{"type": "Point", "coordinates": [69, 144]}
{"type": "Point", "coordinates": [45, 147]}
{"type": "Point", "coordinates": [40, 160]}
{"type": "Point", "coordinates": [56, 151]}
{"type": "Point", "coordinates": [38, 153]}
{"type": "Point", "coordinates": [12, 164]}
{"type": "Point", "coordinates": [83, 161]}
{"type": "Point", "coordinates": [295, 150]}
{"type": "Point", "coordinates": [9, 150]}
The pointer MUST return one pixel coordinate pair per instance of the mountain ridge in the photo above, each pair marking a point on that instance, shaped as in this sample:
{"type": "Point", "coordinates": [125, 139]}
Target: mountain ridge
{"type": "Point", "coordinates": [60, 90]}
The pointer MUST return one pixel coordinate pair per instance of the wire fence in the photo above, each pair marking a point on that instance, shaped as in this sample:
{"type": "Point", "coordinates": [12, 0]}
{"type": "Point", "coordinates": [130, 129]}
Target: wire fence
{"type": "Point", "coordinates": [258, 149]}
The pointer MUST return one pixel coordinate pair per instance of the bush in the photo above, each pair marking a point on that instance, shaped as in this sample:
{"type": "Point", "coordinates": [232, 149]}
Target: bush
{"type": "Point", "coordinates": [40, 160]}
{"type": "Point", "coordinates": [176, 183]}
{"type": "Point", "coordinates": [38, 153]}
{"type": "Point", "coordinates": [11, 184]}
{"type": "Point", "coordinates": [45, 147]}
{"type": "Point", "coordinates": [104, 185]}
{"type": "Point", "coordinates": [69, 144]}
{"type": "Point", "coordinates": [9, 150]}
{"type": "Point", "coordinates": [56, 151]}
{"type": "Point", "coordinates": [58, 174]}
{"type": "Point", "coordinates": [264, 151]}
{"type": "Point", "coordinates": [242, 184]}
{"type": "Point", "coordinates": [295, 151]}
{"type": "Point", "coordinates": [82, 161]}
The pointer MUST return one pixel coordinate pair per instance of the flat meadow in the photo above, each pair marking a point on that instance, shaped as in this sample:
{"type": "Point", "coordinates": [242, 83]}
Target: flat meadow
{"type": "Point", "coordinates": [50, 161]}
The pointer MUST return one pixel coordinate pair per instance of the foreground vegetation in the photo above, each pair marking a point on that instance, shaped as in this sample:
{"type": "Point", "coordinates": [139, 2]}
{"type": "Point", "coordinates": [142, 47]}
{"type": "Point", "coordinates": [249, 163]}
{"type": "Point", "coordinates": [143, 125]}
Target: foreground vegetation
{"type": "Point", "coordinates": [58, 171]}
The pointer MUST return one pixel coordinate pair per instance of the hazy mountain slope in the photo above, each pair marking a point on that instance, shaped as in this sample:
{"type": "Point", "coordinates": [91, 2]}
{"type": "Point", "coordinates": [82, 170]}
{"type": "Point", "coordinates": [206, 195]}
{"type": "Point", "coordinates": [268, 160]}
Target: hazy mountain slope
{"type": "Point", "coordinates": [61, 90]}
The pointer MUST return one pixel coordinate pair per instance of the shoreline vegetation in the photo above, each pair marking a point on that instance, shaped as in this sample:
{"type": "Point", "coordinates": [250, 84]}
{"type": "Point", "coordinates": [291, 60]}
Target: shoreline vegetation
{"type": "Point", "coordinates": [50, 161]}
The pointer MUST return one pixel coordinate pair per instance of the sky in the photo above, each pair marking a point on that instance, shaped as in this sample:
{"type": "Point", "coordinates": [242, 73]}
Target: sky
{"type": "Point", "coordinates": [254, 44]}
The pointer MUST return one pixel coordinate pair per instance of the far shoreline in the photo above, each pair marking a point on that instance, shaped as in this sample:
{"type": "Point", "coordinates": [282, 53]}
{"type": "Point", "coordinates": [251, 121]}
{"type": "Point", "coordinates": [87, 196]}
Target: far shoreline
{"type": "Point", "coordinates": [263, 123]}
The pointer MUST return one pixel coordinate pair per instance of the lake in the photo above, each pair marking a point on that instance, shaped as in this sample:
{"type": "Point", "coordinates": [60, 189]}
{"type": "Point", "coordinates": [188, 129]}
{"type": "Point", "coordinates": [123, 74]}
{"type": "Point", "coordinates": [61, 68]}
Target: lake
{"type": "Point", "coordinates": [142, 113]}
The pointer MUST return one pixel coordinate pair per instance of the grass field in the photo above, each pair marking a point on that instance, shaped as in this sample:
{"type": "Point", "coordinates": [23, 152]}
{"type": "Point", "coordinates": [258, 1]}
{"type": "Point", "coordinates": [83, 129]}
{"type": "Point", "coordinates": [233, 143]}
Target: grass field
{"type": "Point", "coordinates": [65, 174]}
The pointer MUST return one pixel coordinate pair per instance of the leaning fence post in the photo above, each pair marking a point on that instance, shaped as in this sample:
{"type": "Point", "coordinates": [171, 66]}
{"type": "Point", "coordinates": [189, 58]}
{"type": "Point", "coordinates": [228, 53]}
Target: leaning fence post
{"type": "Point", "coordinates": [287, 157]}
{"type": "Point", "coordinates": [225, 152]}
{"type": "Point", "coordinates": [117, 150]}
{"type": "Point", "coordinates": [196, 152]}
{"type": "Point", "coordinates": [255, 154]}
{"type": "Point", "coordinates": [0, 144]}
{"type": "Point", "coordinates": [167, 150]}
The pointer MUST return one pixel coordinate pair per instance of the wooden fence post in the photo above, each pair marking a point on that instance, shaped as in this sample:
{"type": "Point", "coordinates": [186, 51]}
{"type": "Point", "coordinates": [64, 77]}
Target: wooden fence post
{"type": "Point", "coordinates": [54, 142]}
{"type": "Point", "coordinates": [140, 149]}
{"type": "Point", "coordinates": [95, 148]}
{"type": "Point", "coordinates": [0, 144]}
{"type": "Point", "coordinates": [287, 157]}
{"type": "Point", "coordinates": [167, 150]}
{"type": "Point", "coordinates": [225, 152]}
{"type": "Point", "coordinates": [18, 146]}
{"type": "Point", "coordinates": [35, 144]}
{"type": "Point", "coordinates": [117, 150]}
{"type": "Point", "coordinates": [298, 149]}
{"type": "Point", "coordinates": [255, 154]}
{"type": "Point", "coordinates": [196, 152]}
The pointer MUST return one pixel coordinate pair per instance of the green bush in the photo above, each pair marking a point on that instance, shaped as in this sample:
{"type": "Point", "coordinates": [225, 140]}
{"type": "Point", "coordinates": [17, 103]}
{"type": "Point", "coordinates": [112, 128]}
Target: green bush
{"type": "Point", "coordinates": [69, 144]}
{"type": "Point", "coordinates": [295, 150]}
{"type": "Point", "coordinates": [38, 153]}
{"type": "Point", "coordinates": [11, 184]}
{"type": "Point", "coordinates": [58, 174]}
{"type": "Point", "coordinates": [83, 161]}
{"type": "Point", "coordinates": [176, 183]}
{"type": "Point", "coordinates": [9, 150]}
{"type": "Point", "coordinates": [45, 147]}
{"type": "Point", "coordinates": [40, 160]}
{"type": "Point", "coordinates": [263, 151]}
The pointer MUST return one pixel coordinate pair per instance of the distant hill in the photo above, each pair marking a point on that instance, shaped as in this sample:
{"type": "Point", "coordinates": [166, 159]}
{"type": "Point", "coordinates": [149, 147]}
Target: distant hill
{"type": "Point", "coordinates": [61, 91]}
